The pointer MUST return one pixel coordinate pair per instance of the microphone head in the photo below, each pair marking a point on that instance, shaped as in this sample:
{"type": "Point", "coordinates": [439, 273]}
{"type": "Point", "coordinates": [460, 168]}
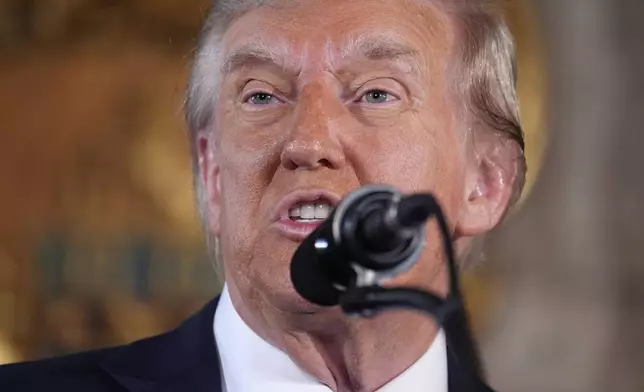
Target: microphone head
{"type": "Point", "coordinates": [320, 270]}
{"type": "Point", "coordinates": [309, 279]}
{"type": "Point", "coordinates": [338, 255]}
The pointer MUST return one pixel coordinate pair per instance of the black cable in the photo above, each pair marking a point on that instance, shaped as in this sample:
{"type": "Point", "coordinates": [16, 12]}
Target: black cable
{"type": "Point", "coordinates": [370, 300]}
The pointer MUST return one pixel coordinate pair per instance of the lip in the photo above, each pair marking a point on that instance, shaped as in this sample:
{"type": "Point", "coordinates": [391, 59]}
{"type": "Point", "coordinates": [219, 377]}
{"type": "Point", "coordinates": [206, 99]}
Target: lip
{"type": "Point", "coordinates": [298, 231]}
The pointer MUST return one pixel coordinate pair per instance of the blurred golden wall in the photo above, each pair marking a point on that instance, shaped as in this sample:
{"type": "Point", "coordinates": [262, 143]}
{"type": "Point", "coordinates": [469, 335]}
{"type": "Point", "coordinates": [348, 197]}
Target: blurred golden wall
{"type": "Point", "coordinates": [99, 241]}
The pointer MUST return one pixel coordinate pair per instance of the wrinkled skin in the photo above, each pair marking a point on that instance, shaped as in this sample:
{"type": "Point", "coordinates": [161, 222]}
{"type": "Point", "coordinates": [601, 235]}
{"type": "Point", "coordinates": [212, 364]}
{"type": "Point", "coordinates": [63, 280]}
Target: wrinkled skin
{"type": "Point", "coordinates": [325, 115]}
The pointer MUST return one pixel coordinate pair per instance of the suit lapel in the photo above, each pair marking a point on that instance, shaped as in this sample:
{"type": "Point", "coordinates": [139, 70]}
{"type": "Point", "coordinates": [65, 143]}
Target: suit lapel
{"type": "Point", "coordinates": [185, 359]}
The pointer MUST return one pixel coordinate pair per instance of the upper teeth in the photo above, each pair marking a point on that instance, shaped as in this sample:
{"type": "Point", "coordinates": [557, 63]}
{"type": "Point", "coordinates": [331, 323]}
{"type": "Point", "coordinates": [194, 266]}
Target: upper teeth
{"type": "Point", "coordinates": [319, 210]}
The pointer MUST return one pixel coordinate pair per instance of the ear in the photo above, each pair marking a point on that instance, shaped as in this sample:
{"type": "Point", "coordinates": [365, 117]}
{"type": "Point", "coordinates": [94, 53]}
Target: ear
{"type": "Point", "coordinates": [209, 171]}
{"type": "Point", "coordinates": [491, 173]}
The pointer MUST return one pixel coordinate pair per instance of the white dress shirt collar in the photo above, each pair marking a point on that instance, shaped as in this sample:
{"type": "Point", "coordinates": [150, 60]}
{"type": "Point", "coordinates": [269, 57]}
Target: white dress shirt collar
{"type": "Point", "coordinates": [250, 364]}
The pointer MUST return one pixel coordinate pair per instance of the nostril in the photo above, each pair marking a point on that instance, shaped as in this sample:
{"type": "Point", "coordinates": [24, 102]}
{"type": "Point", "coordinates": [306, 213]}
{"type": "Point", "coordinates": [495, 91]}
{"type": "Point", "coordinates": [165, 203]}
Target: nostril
{"type": "Point", "coordinates": [326, 163]}
{"type": "Point", "coordinates": [289, 164]}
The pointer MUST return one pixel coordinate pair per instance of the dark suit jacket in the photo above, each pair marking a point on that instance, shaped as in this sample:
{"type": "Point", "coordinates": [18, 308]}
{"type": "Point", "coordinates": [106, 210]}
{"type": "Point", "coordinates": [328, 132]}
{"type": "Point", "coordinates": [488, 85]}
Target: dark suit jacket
{"type": "Point", "coordinates": [183, 360]}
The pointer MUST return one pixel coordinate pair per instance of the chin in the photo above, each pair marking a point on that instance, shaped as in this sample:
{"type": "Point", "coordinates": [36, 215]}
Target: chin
{"type": "Point", "coordinates": [265, 281]}
{"type": "Point", "coordinates": [277, 289]}
{"type": "Point", "coordinates": [270, 274]}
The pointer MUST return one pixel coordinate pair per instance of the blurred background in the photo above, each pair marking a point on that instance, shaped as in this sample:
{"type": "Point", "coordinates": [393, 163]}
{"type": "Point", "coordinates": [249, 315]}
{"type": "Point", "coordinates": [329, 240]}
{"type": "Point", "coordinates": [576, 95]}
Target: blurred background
{"type": "Point", "coordinates": [99, 239]}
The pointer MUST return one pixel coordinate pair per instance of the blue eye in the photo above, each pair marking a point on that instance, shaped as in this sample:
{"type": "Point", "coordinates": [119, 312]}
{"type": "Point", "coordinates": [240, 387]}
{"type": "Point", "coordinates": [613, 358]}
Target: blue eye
{"type": "Point", "coordinates": [376, 96]}
{"type": "Point", "coordinates": [261, 99]}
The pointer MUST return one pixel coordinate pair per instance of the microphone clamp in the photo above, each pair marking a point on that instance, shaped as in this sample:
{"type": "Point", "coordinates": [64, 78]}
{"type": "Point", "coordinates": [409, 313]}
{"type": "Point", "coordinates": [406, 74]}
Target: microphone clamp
{"type": "Point", "coordinates": [371, 265]}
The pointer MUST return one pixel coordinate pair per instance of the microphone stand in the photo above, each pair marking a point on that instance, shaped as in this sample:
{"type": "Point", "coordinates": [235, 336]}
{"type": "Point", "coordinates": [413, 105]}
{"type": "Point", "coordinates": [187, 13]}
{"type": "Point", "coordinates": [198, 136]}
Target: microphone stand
{"type": "Point", "coordinates": [449, 313]}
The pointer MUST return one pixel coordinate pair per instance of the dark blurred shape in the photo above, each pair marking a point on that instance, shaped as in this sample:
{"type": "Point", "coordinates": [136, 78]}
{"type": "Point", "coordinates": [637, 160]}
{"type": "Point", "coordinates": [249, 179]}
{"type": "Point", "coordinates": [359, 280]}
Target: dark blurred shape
{"type": "Point", "coordinates": [51, 257]}
{"type": "Point", "coordinates": [140, 262]}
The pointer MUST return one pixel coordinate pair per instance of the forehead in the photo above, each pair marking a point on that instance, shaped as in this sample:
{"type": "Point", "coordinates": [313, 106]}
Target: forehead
{"type": "Point", "coordinates": [331, 30]}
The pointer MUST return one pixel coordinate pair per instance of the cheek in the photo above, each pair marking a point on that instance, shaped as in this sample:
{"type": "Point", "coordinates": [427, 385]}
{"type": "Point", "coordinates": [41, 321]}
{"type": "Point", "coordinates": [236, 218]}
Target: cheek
{"type": "Point", "coordinates": [247, 161]}
{"type": "Point", "coordinates": [421, 153]}
{"type": "Point", "coordinates": [404, 161]}
{"type": "Point", "coordinates": [446, 163]}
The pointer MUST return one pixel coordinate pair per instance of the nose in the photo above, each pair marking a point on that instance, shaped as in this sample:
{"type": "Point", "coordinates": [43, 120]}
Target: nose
{"type": "Point", "coordinates": [314, 140]}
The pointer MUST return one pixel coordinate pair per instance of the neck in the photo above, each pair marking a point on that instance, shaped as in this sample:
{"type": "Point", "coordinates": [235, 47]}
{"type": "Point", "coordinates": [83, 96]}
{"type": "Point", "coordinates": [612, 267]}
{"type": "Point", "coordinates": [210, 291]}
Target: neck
{"type": "Point", "coordinates": [344, 353]}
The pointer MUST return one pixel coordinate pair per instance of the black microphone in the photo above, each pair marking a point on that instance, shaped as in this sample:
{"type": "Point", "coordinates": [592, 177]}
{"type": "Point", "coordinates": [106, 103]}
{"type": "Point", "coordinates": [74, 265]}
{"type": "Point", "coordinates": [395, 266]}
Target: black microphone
{"type": "Point", "coordinates": [374, 234]}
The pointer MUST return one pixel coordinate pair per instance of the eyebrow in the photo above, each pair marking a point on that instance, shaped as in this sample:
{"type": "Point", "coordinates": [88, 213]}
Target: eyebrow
{"type": "Point", "coordinates": [382, 48]}
{"type": "Point", "coordinates": [256, 54]}
{"type": "Point", "coordinates": [374, 48]}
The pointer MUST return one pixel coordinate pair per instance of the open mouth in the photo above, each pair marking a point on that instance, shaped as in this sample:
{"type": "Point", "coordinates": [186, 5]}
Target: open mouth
{"type": "Point", "coordinates": [310, 211]}
{"type": "Point", "coordinates": [306, 206]}
{"type": "Point", "coordinates": [302, 211]}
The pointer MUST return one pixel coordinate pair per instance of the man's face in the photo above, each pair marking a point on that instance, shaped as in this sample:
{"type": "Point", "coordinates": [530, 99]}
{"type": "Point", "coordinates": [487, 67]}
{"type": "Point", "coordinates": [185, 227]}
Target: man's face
{"type": "Point", "coordinates": [318, 98]}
